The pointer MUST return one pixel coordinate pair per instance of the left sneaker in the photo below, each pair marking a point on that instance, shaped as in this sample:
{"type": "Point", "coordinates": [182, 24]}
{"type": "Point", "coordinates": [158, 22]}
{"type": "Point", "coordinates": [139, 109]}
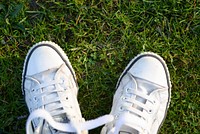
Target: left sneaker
{"type": "Point", "coordinates": [49, 83]}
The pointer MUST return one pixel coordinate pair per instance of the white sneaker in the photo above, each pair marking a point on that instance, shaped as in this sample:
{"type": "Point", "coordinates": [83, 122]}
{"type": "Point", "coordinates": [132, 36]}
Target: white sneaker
{"type": "Point", "coordinates": [50, 90]}
{"type": "Point", "coordinates": [142, 97]}
{"type": "Point", "coordinates": [49, 83]}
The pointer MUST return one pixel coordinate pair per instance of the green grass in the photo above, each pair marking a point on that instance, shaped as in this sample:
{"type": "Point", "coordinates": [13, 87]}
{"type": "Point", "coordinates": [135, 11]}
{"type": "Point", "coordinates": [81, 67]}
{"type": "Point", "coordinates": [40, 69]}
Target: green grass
{"type": "Point", "coordinates": [100, 38]}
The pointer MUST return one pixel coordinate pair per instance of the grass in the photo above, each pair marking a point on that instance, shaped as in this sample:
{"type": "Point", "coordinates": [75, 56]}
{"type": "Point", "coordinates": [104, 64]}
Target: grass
{"type": "Point", "coordinates": [100, 38]}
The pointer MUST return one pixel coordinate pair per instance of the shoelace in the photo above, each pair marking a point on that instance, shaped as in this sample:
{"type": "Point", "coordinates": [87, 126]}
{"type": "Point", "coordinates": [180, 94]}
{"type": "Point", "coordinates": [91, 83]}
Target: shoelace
{"type": "Point", "coordinates": [67, 127]}
{"type": "Point", "coordinates": [49, 91]}
{"type": "Point", "coordinates": [133, 117]}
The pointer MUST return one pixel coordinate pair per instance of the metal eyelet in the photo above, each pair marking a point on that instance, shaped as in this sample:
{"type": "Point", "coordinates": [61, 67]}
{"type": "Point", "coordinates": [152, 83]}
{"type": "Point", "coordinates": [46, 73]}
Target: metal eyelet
{"type": "Point", "coordinates": [121, 108]}
{"type": "Point", "coordinates": [123, 98]}
{"type": "Point", "coordinates": [63, 81]}
{"type": "Point", "coordinates": [35, 98]}
{"type": "Point", "coordinates": [150, 111]}
{"type": "Point", "coordinates": [33, 89]}
{"type": "Point", "coordinates": [127, 90]}
{"type": "Point", "coordinates": [116, 116]}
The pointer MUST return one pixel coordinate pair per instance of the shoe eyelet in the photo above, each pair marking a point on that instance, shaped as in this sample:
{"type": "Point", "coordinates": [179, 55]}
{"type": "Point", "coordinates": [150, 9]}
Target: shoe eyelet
{"type": "Point", "coordinates": [63, 81]}
{"type": "Point", "coordinates": [116, 116]}
{"type": "Point", "coordinates": [35, 98]}
{"type": "Point", "coordinates": [123, 98]}
{"type": "Point", "coordinates": [127, 90]}
{"type": "Point", "coordinates": [121, 108]}
{"type": "Point", "coordinates": [150, 111]}
{"type": "Point", "coordinates": [33, 89]}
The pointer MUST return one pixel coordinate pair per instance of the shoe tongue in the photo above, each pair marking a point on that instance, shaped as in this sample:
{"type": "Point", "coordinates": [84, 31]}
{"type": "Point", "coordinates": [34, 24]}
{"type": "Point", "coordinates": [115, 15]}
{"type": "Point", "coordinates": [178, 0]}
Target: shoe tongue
{"type": "Point", "coordinates": [127, 123]}
{"type": "Point", "coordinates": [46, 76]}
{"type": "Point", "coordinates": [47, 129]}
{"type": "Point", "coordinates": [145, 86]}
{"type": "Point", "coordinates": [142, 86]}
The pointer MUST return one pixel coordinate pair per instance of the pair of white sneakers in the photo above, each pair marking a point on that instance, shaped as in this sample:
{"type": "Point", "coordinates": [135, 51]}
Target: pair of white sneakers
{"type": "Point", "coordinates": [50, 89]}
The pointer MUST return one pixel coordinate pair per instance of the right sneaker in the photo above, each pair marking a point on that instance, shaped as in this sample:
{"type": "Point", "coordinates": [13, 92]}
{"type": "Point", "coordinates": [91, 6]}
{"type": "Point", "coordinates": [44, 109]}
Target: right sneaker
{"type": "Point", "coordinates": [142, 97]}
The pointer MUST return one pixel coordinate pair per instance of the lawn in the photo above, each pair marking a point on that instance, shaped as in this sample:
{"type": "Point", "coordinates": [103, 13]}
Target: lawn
{"type": "Point", "coordinates": [100, 37]}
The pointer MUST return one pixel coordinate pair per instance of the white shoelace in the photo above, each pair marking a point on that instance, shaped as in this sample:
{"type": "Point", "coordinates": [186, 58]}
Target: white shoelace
{"type": "Point", "coordinates": [67, 127]}
{"type": "Point", "coordinates": [46, 92]}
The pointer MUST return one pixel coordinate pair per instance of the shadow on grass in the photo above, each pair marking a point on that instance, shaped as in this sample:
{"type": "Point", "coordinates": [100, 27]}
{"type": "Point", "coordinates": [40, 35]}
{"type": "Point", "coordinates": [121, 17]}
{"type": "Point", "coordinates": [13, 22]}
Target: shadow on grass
{"type": "Point", "coordinates": [13, 110]}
